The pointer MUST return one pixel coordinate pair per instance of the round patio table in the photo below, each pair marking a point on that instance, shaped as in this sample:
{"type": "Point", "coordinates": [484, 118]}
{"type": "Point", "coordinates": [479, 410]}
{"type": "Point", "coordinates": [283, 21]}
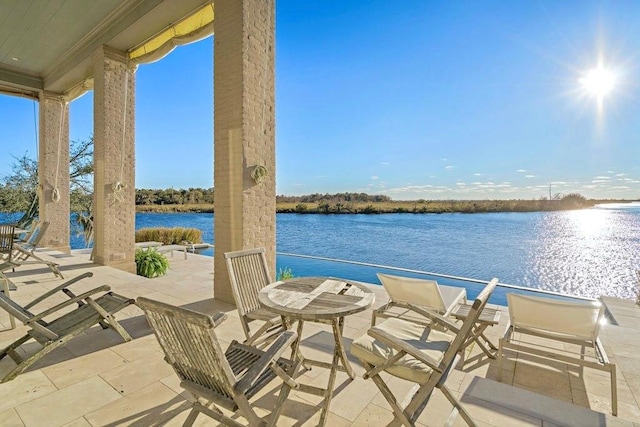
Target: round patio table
{"type": "Point", "coordinates": [318, 299]}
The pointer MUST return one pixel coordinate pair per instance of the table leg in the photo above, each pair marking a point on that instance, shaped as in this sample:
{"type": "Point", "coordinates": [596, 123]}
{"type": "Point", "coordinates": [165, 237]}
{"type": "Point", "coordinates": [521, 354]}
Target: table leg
{"type": "Point", "coordinates": [478, 332]}
{"type": "Point", "coordinates": [338, 353]}
{"type": "Point", "coordinates": [339, 349]}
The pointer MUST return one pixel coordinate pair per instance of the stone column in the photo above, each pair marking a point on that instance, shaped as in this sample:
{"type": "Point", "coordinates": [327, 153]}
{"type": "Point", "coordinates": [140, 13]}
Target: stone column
{"type": "Point", "coordinates": [114, 160]}
{"type": "Point", "coordinates": [244, 132]}
{"type": "Point", "coordinates": [53, 170]}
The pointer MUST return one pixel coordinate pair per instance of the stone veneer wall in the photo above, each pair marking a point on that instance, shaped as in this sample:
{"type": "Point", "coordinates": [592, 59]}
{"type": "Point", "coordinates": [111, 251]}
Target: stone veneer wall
{"type": "Point", "coordinates": [244, 132]}
{"type": "Point", "coordinates": [53, 170]}
{"type": "Point", "coordinates": [114, 112]}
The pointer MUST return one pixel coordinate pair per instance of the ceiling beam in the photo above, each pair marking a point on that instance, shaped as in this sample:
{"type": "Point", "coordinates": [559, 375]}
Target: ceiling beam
{"type": "Point", "coordinates": [13, 78]}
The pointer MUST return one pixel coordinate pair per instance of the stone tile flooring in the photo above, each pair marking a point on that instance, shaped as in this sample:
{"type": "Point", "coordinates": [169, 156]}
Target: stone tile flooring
{"type": "Point", "coordinates": [98, 380]}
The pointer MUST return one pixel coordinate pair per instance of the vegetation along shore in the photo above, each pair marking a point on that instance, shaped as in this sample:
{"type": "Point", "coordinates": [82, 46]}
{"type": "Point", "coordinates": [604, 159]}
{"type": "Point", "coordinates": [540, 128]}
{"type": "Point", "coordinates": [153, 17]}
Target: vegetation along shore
{"type": "Point", "coordinates": [201, 200]}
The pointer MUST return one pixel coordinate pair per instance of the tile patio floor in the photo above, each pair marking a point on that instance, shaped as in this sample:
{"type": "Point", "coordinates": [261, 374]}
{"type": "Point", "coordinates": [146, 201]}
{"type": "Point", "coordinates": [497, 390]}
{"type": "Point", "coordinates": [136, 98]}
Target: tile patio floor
{"type": "Point", "coordinates": [97, 380]}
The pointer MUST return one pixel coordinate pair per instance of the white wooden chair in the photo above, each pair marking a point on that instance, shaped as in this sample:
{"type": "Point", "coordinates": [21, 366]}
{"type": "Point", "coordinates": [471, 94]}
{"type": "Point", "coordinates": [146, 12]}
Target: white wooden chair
{"type": "Point", "coordinates": [57, 332]}
{"type": "Point", "coordinates": [248, 273]}
{"type": "Point", "coordinates": [406, 292]}
{"type": "Point", "coordinates": [223, 379]}
{"type": "Point", "coordinates": [420, 354]}
{"type": "Point", "coordinates": [534, 320]}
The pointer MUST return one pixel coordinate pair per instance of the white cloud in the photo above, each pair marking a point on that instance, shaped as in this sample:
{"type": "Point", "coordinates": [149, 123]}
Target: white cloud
{"type": "Point", "coordinates": [529, 176]}
{"type": "Point", "coordinates": [602, 177]}
{"type": "Point", "coordinates": [521, 170]}
{"type": "Point", "coordinates": [374, 177]}
{"type": "Point", "coordinates": [449, 167]}
{"type": "Point", "coordinates": [385, 163]}
{"type": "Point", "coordinates": [477, 174]}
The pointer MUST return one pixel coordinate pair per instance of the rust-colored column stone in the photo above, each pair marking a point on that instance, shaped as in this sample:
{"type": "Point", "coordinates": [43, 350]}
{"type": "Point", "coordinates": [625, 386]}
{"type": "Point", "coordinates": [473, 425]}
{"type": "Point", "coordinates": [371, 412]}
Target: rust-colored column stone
{"type": "Point", "coordinates": [53, 170]}
{"type": "Point", "coordinates": [114, 156]}
{"type": "Point", "coordinates": [244, 132]}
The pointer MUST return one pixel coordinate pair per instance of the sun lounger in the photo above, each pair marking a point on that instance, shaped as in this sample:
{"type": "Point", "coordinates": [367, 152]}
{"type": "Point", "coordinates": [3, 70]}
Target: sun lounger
{"type": "Point", "coordinates": [572, 322]}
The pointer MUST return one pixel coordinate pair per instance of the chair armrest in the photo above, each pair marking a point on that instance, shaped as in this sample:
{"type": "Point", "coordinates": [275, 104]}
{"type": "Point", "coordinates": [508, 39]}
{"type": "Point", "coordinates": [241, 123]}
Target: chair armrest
{"type": "Point", "coordinates": [269, 357]}
{"type": "Point", "coordinates": [103, 288]}
{"type": "Point", "coordinates": [57, 289]}
{"type": "Point", "coordinates": [218, 318]}
{"type": "Point", "coordinates": [400, 345]}
{"type": "Point", "coordinates": [435, 317]}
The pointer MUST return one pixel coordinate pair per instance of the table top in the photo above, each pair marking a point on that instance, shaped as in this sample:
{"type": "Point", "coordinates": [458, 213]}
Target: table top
{"type": "Point", "coordinates": [490, 316]}
{"type": "Point", "coordinates": [316, 298]}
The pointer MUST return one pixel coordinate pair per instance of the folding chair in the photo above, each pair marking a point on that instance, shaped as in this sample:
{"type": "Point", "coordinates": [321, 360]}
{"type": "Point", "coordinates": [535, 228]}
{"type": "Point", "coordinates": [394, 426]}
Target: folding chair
{"type": "Point", "coordinates": [56, 333]}
{"type": "Point", "coordinates": [419, 354]}
{"type": "Point", "coordinates": [572, 322]}
{"type": "Point", "coordinates": [249, 273]}
{"type": "Point", "coordinates": [405, 292]}
{"type": "Point", "coordinates": [223, 379]}
{"type": "Point", "coordinates": [17, 255]}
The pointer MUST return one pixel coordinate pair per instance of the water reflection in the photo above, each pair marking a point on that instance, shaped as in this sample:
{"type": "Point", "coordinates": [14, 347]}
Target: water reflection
{"type": "Point", "coordinates": [589, 253]}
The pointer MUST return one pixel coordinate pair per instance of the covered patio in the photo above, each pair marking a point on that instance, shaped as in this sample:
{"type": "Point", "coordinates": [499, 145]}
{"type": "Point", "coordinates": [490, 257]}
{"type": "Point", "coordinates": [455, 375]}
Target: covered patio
{"type": "Point", "coordinates": [99, 380]}
{"type": "Point", "coordinates": [55, 51]}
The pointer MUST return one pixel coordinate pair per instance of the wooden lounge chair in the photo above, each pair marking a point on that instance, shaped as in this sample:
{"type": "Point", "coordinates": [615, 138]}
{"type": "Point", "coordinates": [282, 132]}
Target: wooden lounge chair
{"type": "Point", "coordinates": [223, 379]}
{"type": "Point", "coordinates": [419, 354]}
{"type": "Point", "coordinates": [407, 292]}
{"type": "Point", "coordinates": [57, 332]}
{"type": "Point", "coordinates": [572, 322]}
{"type": "Point", "coordinates": [16, 255]}
{"type": "Point", "coordinates": [249, 273]}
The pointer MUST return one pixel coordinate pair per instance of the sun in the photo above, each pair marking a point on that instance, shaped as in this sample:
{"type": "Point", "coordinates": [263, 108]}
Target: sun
{"type": "Point", "coordinates": [598, 82]}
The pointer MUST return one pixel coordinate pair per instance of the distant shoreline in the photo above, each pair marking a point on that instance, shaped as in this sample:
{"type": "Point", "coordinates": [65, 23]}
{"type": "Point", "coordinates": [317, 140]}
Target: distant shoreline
{"type": "Point", "coordinates": [422, 206]}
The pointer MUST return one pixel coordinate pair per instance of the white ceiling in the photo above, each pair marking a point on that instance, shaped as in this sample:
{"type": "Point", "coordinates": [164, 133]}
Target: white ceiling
{"type": "Point", "coordinates": [48, 45]}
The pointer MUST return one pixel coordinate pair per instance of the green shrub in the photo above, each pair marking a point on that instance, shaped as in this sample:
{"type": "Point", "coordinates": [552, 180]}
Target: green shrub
{"type": "Point", "coordinates": [150, 263]}
{"type": "Point", "coordinates": [169, 236]}
{"type": "Point", "coordinates": [284, 274]}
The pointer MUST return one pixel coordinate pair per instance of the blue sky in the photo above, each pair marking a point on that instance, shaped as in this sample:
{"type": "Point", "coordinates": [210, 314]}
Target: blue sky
{"type": "Point", "coordinates": [412, 99]}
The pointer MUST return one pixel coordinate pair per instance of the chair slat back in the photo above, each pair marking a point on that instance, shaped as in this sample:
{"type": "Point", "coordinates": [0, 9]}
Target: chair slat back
{"type": "Point", "coordinates": [248, 273]}
{"type": "Point", "coordinates": [467, 326]}
{"type": "Point", "coordinates": [190, 345]}
{"type": "Point", "coordinates": [38, 234]}
{"type": "Point", "coordinates": [413, 291]}
{"type": "Point", "coordinates": [579, 320]}
{"type": "Point", "coordinates": [6, 239]}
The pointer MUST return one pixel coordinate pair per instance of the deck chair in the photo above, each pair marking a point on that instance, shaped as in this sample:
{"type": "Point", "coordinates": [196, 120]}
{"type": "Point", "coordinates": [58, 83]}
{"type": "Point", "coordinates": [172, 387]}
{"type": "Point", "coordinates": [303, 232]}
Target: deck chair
{"type": "Point", "coordinates": [420, 354]}
{"type": "Point", "coordinates": [573, 322]}
{"type": "Point", "coordinates": [26, 236]}
{"type": "Point", "coordinates": [17, 254]}
{"type": "Point", "coordinates": [248, 273]}
{"type": "Point", "coordinates": [405, 292]}
{"type": "Point", "coordinates": [223, 379]}
{"type": "Point", "coordinates": [57, 332]}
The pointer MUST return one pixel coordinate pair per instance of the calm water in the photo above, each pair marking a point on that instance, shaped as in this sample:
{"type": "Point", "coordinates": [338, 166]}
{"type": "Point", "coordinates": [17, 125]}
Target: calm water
{"type": "Point", "coordinates": [585, 253]}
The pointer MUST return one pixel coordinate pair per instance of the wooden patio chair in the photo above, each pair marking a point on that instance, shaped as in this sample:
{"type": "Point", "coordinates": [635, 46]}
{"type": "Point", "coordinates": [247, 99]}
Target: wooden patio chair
{"type": "Point", "coordinates": [248, 273]}
{"type": "Point", "coordinates": [18, 255]}
{"type": "Point", "coordinates": [26, 236]}
{"type": "Point", "coordinates": [538, 320]}
{"type": "Point", "coordinates": [407, 292]}
{"type": "Point", "coordinates": [57, 332]}
{"type": "Point", "coordinates": [222, 379]}
{"type": "Point", "coordinates": [419, 354]}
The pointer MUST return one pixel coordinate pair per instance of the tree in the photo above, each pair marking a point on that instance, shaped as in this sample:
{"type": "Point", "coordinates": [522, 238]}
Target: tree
{"type": "Point", "coordinates": [19, 191]}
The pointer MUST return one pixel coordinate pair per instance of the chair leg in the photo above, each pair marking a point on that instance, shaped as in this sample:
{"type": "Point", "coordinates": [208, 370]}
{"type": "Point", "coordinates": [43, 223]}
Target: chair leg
{"type": "Point", "coordinates": [614, 391]}
{"type": "Point", "coordinates": [191, 418]}
{"type": "Point", "coordinates": [388, 395]}
{"type": "Point", "coordinates": [48, 348]}
{"type": "Point", "coordinates": [500, 356]}
{"type": "Point", "coordinates": [457, 407]}
{"type": "Point", "coordinates": [282, 397]}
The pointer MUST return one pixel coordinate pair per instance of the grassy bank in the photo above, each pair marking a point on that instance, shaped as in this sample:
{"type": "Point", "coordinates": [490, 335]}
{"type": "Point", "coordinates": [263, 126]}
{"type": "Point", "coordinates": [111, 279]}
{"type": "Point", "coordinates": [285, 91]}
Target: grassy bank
{"type": "Point", "coordinates": [426, 206]}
